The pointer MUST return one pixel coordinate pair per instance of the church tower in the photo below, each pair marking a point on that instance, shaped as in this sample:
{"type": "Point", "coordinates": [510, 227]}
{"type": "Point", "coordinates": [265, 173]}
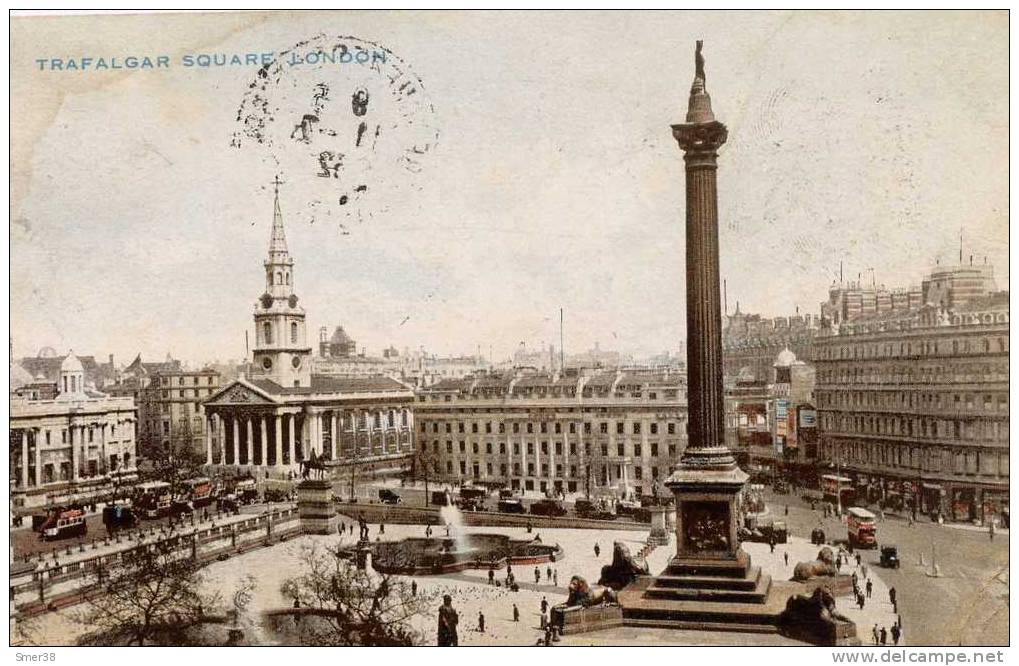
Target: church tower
{"type": "Point", "coordinates": [281, 353]}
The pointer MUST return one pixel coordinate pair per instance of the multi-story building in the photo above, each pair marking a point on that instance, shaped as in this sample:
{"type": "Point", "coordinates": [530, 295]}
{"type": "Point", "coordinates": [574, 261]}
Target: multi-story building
{"type": "Point", "coordinates": [73, 447]}
{"type": "Point", "coordinates": [751, 342]}
{"type": "Point", "coordinates": [576, 431]}
{"type": "Point", "coordinates": [169, 399]}
{"type": "Point", "coordinates": [913, 402]}
{"type": "Point", "coordinates": [284, 411]}
{"type": "Point", "coordinates": [762, 418]}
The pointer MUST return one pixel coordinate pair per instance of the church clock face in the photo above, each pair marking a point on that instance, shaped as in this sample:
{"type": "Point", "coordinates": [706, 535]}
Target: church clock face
{"type": "Point", "coordinates": [266, 301]}
{"type": "Point", "coordinates": [293, 300]}
{"type": "Point", "coordinates": [296, 362]}
{"type": "Point", "coordinates": [267, 363]}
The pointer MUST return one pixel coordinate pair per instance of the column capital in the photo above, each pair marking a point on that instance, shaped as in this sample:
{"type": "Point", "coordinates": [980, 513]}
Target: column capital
{"type": "Point", "coordinates": [700, 141]}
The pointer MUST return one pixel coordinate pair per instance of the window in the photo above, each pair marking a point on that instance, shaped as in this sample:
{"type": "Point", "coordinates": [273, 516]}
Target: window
{"type": "Point", "coordinates": [293, 332]}
{"type": "Point", "coordinates": [573, 428]}
{"type": "Point", "coordinates": [502, 469]}
{"type": "Point", "coordinates": [516, 448]}
{"type": "Point", "coordinates": [544, 448]}
{"type": "Point", "coordinates": [636, 450]}
{"type": "Point", "coordinates": [636, 428]}
{"type": "Point", "coordinates": [619, 428]}
{"type": "Point", "coordinates": [638, 473]}
{"type": "Point", "coordinates": [463, 446]}
{"type": "Point", "coordinates": [587, 428]}
{"type": "Point", "coordinates": [474, 427]}
{"type": "Point", "coordinates": [463, 467]}
{"type": "Point", "coordinates": [530, 448]}
{"type": "Point", "coordinates": [530, 428]}
{"type": "Point", "coordinates": [605, 449]}
{"type": "Point", "coordinates": [530, 469]}
{"type": "Point", "coordinates": [654, 449]}
{"type": "Point", "coordinates": [573, 448]}
{"type": "Point", "coordinates": [544, 427]}
{"type": "Point", "coordinates": [620, 450]}
{"type": "Point", "coordinates": [449, 447]}
{"type": "Point", "coordinates": [267, 333]}
{"type": "Point", "coordinates": [449, 427]}
{"type": "Point", "coordinates": [672, 429]}
{"type": "Point", "coordinates": [516, 428]}
{"type": "Point", "coordinates": [502, 427]}
{"type": "Point", "coordinates": [604, 427]}
{"type": "Point", "coordinates": [654, 428]}
{"type": "Point", "coordinates": [502, 447]}
{"type": "Point", "coordinates": [460, 427]}
{"type": "Point", "coordinates": [558, 428]}
{"type": "Point", "coordinates": [488, 427]}
{"type": "Point", "coordinates": [474, 447]}
{"type": "Point", "coordinates": [516, 469]}
{"type": "Point", "coordinates": [558, 448]}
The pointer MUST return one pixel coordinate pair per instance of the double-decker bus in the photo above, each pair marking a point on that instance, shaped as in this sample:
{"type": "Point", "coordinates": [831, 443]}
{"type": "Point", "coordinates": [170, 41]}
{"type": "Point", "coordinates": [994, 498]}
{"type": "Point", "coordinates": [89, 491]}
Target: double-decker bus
{"type": "Point", "coordinates": [198, 491]}
{"type": "Point", "coordinates": [154, 499]}
{"type": "Point", "coordinates": [837, 489]}
{"type": "Point", "coordinates": [64, 522]}
{"type": "Point", "coordinates": [862, 527]}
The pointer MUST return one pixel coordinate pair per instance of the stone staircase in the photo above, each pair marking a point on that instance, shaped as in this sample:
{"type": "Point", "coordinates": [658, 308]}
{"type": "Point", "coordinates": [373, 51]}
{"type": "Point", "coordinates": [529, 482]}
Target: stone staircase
{"type": "Point", "coordinates": [705, 593]}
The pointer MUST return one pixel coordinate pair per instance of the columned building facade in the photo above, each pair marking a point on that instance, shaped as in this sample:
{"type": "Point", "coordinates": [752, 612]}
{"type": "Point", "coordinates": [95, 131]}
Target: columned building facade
{"type": "Point", "coordinates": [76, 447]}
{"type": "Point", "coordinates": [283, 413]}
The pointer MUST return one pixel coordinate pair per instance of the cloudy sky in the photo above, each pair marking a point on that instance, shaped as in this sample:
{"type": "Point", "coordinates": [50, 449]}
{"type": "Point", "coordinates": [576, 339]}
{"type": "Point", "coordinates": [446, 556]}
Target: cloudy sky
{"type": "Point", "coordinates": [872, 139]}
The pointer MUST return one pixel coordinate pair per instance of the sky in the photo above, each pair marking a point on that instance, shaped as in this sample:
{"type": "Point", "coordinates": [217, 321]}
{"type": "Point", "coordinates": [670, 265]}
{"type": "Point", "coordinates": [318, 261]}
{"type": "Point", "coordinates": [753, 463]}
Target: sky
{"type": "Point", "coordinates": [543, 173]}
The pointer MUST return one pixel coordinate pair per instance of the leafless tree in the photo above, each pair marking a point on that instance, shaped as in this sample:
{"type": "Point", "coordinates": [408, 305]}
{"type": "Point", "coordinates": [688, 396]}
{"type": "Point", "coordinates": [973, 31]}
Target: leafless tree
{"type": "Point", "coordinates": [151, 597]}
{"type": "Point", "coordinates": [342, 605]}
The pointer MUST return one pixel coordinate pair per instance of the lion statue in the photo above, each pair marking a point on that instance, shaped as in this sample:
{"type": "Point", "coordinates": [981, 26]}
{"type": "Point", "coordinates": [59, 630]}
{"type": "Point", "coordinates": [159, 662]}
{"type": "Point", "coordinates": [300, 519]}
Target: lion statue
{"type": "Point", "coordinates": [824, 565]}
{"type": "Point", "coordinates": [581, 594]}
{"type": "Point", "coordinates": [624, 568]}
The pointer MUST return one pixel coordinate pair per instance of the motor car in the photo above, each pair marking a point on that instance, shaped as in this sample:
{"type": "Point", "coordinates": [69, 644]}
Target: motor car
{"type": "Point", "coordinates": [387, 496]}
{"type": "Point", "coordinates": [890, 557]}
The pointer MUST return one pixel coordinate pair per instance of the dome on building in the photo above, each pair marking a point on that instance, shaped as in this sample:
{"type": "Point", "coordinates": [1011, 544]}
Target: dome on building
{"type": "Point", "coordinates": [71, 364]}
{"type": "Point", "coordinates": [47, 352]}
{"type": "Point", "coordinates": [785, 358]}
{"type": "Point", "coordinates": [340, 337]}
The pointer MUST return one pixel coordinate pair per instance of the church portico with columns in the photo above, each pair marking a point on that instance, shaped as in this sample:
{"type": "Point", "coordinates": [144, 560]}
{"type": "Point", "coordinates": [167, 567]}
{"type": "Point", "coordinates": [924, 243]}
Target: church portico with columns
{"type": "Point", "coordinates": [279, 413]}
{"type": "Point", "coordinates": [253, 424]}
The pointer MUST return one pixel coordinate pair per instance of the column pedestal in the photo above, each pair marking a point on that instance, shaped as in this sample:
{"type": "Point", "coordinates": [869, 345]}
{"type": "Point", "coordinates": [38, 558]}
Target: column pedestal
{"type": "Point", "coordinates": [315, 506]}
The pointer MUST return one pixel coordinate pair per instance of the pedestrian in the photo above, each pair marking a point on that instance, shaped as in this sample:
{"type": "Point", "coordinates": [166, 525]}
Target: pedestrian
{"type": "Point", "coordinates": [771, 543]}
{"type": "Point", "coordinates": [838, 561]}
{"type": "Point", "coordinates": [548, 573]}
{"type": "Point", "coordinates": [859, 600]}
{"type": "Point", "coordinates": [785, 556]}
{"type": "Point", "coordinates": [382, 528]}
{"type": "Point", "coordinates": [481, 622]}
{"type": "Point", "coordinates": [990, 530]}
{"type": "Point", "coordinates": [597, 549]}
{"type": "Point", "coordinates": [884, 636]}
{"type": "Point", "coordinates": [448, 619]}
{"type": "Point", "coordinates": [896, 634]}
{"type": "Point", "coordinates": [544, 604]}
{"type": "Point", "coordinates": [863, 570]}
{"type": "Point", "coordinates": [537, 575]}
{"type": "Point", "coordinates": [555, 577]}
{"type": "Point", "coordinates": [856, 581]}
{"type": "Point", "coordinates": [870, 588]}
{"type": "Point", "coordinates": [787, 509]}
{"type": "Point", "coordinates": [491, 576]}
{"type": "Point", "coordinates": [877, 636]}
{"type": "Point", "coordinates": [544, 619]}
{"type": "Point", "coordinates": [859, 560]}
{"type": "Point", "coordinates": [516, 613]}
{"type": "Point", "coordinates": [891, 595]}
{"type": "Point", "coordinates": [414, 588]}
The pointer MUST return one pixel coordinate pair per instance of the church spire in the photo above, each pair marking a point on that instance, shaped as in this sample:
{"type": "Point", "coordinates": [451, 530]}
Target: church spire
{"type": "Point", "coordinates": [278, 252]}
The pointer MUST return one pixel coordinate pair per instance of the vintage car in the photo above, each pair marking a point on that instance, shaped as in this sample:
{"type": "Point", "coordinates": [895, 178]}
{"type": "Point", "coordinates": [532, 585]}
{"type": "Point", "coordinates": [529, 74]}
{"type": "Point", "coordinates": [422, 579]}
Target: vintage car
{"type": "Point", "coordinates": [548, 507]}
{"type": "Point", "coordinates": [766, 532]}
{"type": "Point", "coordinates": [387, 496]}
{"type": "Point", "coordinates": [890, 557]}
{"type": "Point", "coordinates": [588, 509]}
{"type": "Point", "coordinates": [511, 506]}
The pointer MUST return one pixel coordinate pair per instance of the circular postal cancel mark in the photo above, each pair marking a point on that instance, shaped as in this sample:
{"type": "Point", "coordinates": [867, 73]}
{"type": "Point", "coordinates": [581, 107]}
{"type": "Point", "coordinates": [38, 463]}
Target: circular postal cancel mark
{"type": "Point", "coordinates": [343, 118]}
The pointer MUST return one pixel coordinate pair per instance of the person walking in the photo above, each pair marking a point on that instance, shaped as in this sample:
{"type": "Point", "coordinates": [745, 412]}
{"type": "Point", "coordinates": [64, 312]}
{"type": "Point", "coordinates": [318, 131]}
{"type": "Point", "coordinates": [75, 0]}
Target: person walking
{"type": "Point", "coordinates": [771, 543]}
{"type": "Point", "coordinates": [491, 576]}
{"type": "Point", "coordinates": [481, 622]}
{"type": "Point", "coordinates": [516, 613]}
{"type": "Point", "coordinates": [870, 588]}
{"type": "Point", "coordinates": [891, 595]}
{"type": "Point", "coordinates": [544, 619]}
{"type": "Point", "coordinates": [859, 600]}
{"type": "Point", "coordinates": [785, 556]}
{"type": "Point", "coordinates": [896, 634]}
{"type": "Point", "coordinates": [548, 573]}
{"type": "Point", "coordinates": [884, 636]}
{"type": "Point", "coordinates": [555, 577]}
{"type": "Point", "coordinates": [414, 588]}
{"type": "Point", "coordinates": [877, 635]}
{"type": "Point", "coordinates": [990, 529]}
{"type": "Point", "coordinates": [544, 604]}
{"type": "Point", "coordinates": [597, 549]}
{"type": "Point", "coordinates": [537, 575]}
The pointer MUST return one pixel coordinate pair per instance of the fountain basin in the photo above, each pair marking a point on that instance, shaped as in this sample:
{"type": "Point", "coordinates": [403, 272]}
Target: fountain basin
{"type": "Point", "coordinates": [442, 555]}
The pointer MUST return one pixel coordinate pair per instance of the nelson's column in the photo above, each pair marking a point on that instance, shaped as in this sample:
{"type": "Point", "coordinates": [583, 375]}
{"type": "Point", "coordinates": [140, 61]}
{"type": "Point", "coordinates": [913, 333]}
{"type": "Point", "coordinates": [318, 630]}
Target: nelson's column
{"type": "Point", "coordinates": [710, 581]}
